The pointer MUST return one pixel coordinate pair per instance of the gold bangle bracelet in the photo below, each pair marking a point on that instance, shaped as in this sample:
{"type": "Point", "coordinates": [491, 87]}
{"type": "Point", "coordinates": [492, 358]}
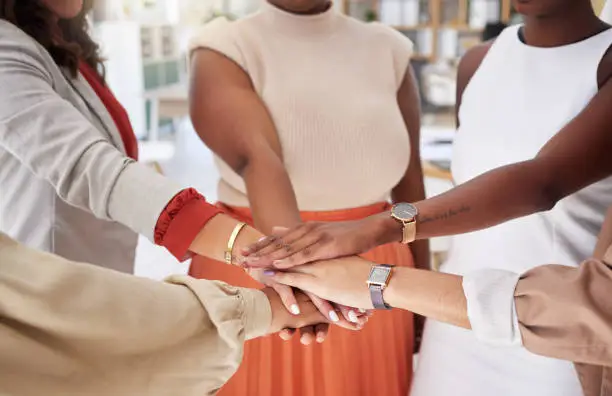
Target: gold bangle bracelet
{"type": "Point", "coordinates": [231, 242]}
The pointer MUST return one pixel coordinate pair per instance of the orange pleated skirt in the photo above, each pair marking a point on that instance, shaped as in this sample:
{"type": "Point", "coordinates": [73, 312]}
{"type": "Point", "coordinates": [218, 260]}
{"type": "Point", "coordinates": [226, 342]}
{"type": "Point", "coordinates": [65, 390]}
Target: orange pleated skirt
{"type": "Point", "coordinates": [376, 361]}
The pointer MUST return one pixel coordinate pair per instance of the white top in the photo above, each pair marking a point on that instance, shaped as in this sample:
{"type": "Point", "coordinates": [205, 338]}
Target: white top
{"type": "Point", "coordinates": [330, 83]}
{"type": "Point", "coordinates": [519, 98]}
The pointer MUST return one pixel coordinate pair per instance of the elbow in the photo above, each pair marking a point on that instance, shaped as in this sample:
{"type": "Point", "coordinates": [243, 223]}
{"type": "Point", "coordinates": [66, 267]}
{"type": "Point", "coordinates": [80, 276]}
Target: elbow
{"type": "Point", "coordinates": [548, 194]}
{"type": "Point", "coordinates": [241, 164]}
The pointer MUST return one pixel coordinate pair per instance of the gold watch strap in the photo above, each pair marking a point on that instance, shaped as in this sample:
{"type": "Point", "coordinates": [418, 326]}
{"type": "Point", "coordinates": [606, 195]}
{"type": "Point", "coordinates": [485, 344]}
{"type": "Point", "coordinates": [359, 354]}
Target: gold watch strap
{"type": "Point", "coordinates": [409, 231]}
{"type": "Point", "coordinates": [231, 242]}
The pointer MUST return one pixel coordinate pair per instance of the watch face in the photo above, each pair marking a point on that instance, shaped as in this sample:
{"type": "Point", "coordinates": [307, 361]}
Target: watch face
{"type": "Point", "coordinates": [379, 275]}
{"type": "Point", "coordinates": [404, 211]}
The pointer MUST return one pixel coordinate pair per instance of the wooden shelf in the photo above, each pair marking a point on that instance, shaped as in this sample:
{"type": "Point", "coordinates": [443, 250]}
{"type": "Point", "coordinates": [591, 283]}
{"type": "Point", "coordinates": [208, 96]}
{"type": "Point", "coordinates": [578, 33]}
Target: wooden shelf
{"type": "Point", "coordinates": [431, 170]}
{"type": "Point", "coordinates": [422, 57]}
{"type": "Point", "coordinates": [437, 21]}
{"type": "Point", "coordinates": [413, 27]}
{"type": "Point", "coordinates": [462, 28]}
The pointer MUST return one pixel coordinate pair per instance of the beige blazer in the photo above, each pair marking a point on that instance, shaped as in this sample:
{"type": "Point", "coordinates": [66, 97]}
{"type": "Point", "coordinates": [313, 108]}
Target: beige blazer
{"type": "Point", "coordinates": [70, 329]}
{"type": "Point", "coordinates": [66, 185]}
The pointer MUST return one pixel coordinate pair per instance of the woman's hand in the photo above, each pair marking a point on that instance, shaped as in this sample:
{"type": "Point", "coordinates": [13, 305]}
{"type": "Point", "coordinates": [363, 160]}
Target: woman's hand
{"type": "Point", "coordinates": [342, 281]}
{"type": "Point", "coordinates": [309, 317]}
{"type": "Point", "coordinates": [308, 334]}
{"type": "Point", "coordinates": [315, 241]}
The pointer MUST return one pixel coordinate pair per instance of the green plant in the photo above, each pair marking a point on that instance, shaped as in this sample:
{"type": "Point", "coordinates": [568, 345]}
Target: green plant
{"type": "Point", "coordinates": [370, 15]}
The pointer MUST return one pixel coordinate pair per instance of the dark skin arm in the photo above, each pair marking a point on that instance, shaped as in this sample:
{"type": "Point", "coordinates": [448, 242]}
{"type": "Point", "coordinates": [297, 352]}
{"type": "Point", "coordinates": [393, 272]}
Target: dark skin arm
{"type": "Point", "coordinates": [233, 122]}
{"type": "Point", "coordinates": [577, 156]}
{"type": "Point", "coordinates": [231, 119]}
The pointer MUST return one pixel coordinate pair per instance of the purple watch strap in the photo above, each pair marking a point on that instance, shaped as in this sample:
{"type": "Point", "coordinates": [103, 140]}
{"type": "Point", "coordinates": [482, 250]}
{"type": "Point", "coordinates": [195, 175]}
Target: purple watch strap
{"type": "Point", "coordinates": [376, 294]}
{"type": "Point", "coordinates": [376, 290]}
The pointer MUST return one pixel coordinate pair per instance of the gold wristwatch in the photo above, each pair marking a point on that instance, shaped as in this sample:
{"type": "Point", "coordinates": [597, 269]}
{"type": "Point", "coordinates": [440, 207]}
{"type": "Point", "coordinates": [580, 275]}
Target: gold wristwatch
{"type": "Point", "coordinates": [406, 214]}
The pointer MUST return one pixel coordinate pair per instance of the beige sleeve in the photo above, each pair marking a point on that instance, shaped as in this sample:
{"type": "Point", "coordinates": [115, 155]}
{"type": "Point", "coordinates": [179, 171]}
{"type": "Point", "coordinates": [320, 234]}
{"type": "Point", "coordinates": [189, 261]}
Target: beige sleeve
{"type": "Point", "coordinates": [75, 329]}
{"type": "Point", "coordinates": [401, 48]}
{"type": "Point", "coordinates": [566, 312]}
{"type": "Point", "coordinates": [222, 36]}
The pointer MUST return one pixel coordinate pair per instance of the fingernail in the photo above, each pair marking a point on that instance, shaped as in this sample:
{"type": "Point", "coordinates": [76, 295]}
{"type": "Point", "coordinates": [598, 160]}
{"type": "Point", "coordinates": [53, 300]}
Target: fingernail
{"type": "Point", "coordinates": [361, 310]}
{"type": "Point", "coordinates": [295, 309]}
{"type": "Point", "coordinates": [320, 339]}
{"type": "Point", "coordinates": [276, 263]}
{"type": "Point", "coordinates": [269, 273]}
{"type": "Point", "coordinates": [261, 239]}
{"type": "Point", "coordinates": [353, 317]}
{"type": "Point", "coordinates": [334, 316]}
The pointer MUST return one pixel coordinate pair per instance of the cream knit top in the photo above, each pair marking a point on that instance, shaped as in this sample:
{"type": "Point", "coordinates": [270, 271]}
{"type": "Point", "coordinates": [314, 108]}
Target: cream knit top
{"type": "Point", "coordinates": [330, 84]}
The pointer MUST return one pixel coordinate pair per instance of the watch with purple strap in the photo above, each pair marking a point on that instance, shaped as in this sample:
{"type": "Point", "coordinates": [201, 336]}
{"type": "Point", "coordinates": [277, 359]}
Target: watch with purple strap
{"type": "Point", "coordinates": [377, 282]}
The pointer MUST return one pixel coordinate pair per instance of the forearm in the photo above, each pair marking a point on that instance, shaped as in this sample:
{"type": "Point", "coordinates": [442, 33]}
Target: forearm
{"type": "Point", "coordinates": [434, 295]}
{"type": "Point", "coordinates": [212, 240]}
{"type": "Point", "coordinates": [497, 196]}
{"type": "Point", "coordinates": [271, 196]}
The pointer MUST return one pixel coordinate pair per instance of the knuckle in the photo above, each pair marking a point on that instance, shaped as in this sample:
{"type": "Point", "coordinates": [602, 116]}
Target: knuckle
{"type": "Point", "coordinates": [310, 226]}
{"type": "Point", "coordinates": [326, 237]}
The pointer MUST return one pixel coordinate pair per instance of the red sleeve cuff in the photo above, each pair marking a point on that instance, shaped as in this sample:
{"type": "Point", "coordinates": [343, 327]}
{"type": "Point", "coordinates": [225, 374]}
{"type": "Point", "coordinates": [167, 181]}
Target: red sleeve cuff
{"type": "Point", "coordinates": [182, 220]}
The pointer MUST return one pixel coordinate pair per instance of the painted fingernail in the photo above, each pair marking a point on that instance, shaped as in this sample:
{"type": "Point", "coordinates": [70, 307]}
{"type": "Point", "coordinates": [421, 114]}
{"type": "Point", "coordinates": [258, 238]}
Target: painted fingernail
{"type": "Point", "coordinates": [295, 309]}
{"type": "Point", "coordinates": [353, 317]}
{"type": "Point", "coordinates": [334, 316]}
{"type": "Point", "coordinates": [269, 273]}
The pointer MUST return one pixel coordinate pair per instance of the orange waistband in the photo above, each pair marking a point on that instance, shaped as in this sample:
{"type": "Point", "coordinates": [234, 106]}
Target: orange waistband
{"type": "Point", "coordinates": [244, 214]}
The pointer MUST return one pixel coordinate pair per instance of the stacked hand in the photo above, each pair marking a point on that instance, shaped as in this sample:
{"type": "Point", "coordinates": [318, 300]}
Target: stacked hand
{"type": "Point", "coordinates": [310, 316]}
{"type": "Point", "coordinates": [316, 241]}
{"type": "Point", "coordinates": [302, 303]}
{"type": "Point", "coordinates": [291, 257]}
{"type": "Point", "coordinates": [342, 281]}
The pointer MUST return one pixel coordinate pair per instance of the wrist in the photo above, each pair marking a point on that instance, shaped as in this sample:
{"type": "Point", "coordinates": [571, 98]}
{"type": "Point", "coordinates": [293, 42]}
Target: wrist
{"type": "Point", "coordinates": [276, 322]}
{"type": "Point", "coordinates": [388, 229]}
{"type": "Point", "coordinates": [392, 294]}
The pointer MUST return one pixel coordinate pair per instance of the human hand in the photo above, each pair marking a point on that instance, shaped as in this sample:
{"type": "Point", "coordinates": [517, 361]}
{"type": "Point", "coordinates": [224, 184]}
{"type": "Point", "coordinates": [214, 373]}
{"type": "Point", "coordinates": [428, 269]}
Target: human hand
{"type": "Point", "coordinates": [309, 334]}
{"type": "Point", "coordinates": [310, 316]}
{"type": "Point", "coordinates": [315, 241]}
{"type": "Point", "coordinates": [342, 281]}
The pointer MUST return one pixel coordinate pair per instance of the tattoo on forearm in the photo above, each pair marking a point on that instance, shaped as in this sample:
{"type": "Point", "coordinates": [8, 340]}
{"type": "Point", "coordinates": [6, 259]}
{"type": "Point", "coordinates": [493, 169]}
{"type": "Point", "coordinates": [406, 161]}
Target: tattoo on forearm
{"type": "Point", "coordinates": [444, 215]}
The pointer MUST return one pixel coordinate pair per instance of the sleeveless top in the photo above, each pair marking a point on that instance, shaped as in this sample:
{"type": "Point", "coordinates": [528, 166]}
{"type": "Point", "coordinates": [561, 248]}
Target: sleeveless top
{"type": "Point", "coordinates": [330, 85]}
{"type": "Point", "coordinates": [518, 99]}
